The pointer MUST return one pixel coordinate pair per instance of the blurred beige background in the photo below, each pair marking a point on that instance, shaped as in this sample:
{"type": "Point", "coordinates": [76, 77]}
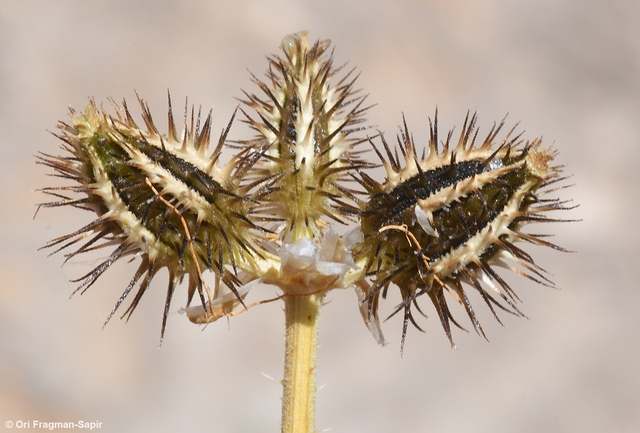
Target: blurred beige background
{"type": "Point", "coordinates": [568, 70]}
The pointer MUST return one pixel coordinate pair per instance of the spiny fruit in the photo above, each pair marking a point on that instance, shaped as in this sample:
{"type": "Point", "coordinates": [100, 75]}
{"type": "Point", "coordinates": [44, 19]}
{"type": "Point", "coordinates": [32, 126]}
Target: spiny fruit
{"type": "Point", "coordinates": [304, 128]}
{"type": "Point", "coordinates": [439, 223]}
{"type": "Point", "coordinates": [163, 198]}
{"type": "Point", "coordinates": [160, 197]}
{"type": "Point", "coordinates": [448, 217]}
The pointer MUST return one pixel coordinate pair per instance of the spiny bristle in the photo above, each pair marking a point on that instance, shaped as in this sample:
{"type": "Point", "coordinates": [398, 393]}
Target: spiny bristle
{"type": "Point", "coordinates": [159, 197]}
{"type": "Point", "coordinates": [446, 218]}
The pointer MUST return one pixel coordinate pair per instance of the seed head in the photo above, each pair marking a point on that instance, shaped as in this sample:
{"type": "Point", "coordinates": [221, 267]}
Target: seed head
{"type": "Point", "coordinates": [442, 221]}
{"type": "Point", "coordinates": [304, 122]}
{"type": "Point", "coordinates": [445, 216]}
{"type": "Point", "coordinates": [160, 197]}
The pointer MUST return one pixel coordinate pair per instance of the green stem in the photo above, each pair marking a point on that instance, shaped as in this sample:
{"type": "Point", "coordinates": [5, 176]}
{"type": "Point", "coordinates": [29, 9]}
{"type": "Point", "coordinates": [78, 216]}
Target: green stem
{"type": "Point", "coordinates": [299, 394]}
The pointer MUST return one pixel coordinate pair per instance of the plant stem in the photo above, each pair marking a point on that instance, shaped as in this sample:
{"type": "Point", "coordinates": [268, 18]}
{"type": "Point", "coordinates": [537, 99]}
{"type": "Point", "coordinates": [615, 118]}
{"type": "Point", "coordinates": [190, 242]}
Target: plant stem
{"type": "Point", "coordinates": [299, 394]}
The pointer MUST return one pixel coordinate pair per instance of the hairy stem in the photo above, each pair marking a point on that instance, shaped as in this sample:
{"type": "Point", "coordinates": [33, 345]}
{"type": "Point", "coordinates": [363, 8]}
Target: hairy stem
{"type": "Point", "coordinates": [299, 394]}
